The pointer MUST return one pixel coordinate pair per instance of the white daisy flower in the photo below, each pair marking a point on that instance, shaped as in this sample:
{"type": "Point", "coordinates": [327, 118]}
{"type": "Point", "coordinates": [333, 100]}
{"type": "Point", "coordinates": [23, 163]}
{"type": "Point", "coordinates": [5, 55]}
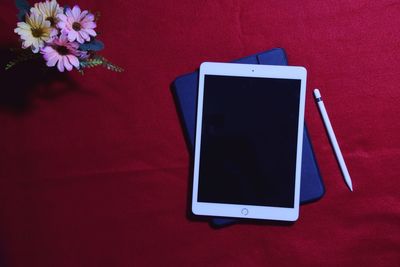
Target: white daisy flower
{"type": "Point", "coordinates": [49, 10]}
{"type": "Point", "coordinates": [34, 32]}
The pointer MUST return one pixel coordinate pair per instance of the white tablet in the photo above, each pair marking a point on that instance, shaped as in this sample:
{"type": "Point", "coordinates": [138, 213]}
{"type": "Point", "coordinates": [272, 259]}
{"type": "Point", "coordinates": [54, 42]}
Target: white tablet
{"type": "Point", "coordinates": [249, 137]}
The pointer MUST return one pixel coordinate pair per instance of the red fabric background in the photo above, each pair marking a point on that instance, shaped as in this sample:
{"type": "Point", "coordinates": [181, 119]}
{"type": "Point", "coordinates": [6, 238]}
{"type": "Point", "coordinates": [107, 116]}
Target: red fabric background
{"type": "Point", "coordinates": [94, 169]}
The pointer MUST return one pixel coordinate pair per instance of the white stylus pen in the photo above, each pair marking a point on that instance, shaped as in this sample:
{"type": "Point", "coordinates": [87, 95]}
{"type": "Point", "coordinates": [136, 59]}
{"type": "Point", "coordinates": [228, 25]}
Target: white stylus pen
{"type": "Point", "coordinates": [332, 137]}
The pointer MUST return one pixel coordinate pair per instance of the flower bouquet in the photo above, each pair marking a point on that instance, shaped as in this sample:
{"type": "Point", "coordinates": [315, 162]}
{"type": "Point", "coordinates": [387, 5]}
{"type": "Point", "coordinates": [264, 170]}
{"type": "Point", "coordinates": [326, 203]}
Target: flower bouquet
{"type": "Point", "coordinates": [64, 37]}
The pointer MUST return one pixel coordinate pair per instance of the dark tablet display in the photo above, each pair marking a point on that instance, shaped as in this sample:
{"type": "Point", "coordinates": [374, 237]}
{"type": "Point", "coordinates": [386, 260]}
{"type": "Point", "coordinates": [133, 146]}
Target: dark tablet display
{"type": "Point", "coordinates": [249, 140]}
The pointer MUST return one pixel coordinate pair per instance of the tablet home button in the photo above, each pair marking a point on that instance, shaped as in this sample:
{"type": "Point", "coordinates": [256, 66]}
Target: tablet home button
{"type": "Point", "coordinates": [245, 211]}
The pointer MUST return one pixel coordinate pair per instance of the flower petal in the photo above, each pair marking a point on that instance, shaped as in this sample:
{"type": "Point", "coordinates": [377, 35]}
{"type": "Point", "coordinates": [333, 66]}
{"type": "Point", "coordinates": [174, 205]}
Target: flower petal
{"type": "Point", "coordinates": [23, 25]}
{"type": "Point", "coordinates": [68, 13]}
{"type": "Point", "coordinates": [83, 14]}
{"type": "Point", "coordinates": [89, 25]}
{"type": "Point", "coordinates": [53, 60]}
{"type": "Point", "coordinates": [79, 39]}
{"type": "Point", "coordinates": [61, 25]}
{"type": "Point", "coordinates": [62, 17]}
{"type": "Point", "coordinates": [72, 35]}
{"type": "Point", "coordinates": [40, 43]}
{"type": "Point", "coordinates": [35, 48]}
{"type": "Point", "coordinates": [89, 17]}
{"type": "Point", "coordinates": [27, 43]}
{"type": "Point", "coordinates": [63, 38]}
{"type": "Point", "coordinates": [73, 60]}
{"type": "Point", "coordinates": [46, 24]}
{"type": "Point", "coordinates": [84, 35]}
{"type": "Point", "coordinates": [76, 11]}
{"type": "Point", "coordinates": [74, 45]}
{"type": "Point", "coordinates": [67, 65]}
{"type": "Point", "coordinates": [60, 65]}
{"type": "Point", "coordinates": [91, 32]}
{"type": "Point", "coordinates": [48, 49]}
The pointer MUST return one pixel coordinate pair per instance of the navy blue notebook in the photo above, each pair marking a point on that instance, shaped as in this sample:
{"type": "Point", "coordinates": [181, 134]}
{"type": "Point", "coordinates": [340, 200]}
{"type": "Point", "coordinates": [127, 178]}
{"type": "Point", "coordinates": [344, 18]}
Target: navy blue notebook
{"type": "Point", "coordinates": [185, 90]}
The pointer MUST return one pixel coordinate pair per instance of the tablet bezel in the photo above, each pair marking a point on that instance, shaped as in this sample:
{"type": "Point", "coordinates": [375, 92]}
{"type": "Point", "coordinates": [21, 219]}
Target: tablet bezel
{"type": "Point", "coordinates": [239, 210]}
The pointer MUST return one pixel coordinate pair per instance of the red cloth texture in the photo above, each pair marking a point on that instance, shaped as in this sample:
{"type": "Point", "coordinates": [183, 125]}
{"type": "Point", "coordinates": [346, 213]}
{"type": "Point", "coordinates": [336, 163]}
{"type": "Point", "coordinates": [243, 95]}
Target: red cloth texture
{"type": "Point", "coordinates": [94, 169]}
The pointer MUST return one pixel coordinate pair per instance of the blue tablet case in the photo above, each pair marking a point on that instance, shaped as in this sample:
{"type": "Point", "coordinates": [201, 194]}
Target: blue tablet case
{"type": "Point", "coordinates": [185, 90]}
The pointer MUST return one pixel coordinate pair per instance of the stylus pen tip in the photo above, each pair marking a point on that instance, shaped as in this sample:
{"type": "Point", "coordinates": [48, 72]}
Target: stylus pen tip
{"type": "Point", "coordinates": [351, 187]}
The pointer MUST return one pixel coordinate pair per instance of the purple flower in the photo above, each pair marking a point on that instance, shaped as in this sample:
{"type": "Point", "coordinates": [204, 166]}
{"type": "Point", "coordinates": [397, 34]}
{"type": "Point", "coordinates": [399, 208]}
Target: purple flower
{"type": "Point", "coordinates": [63, 53]}
{"type": "Point", "coordinates": [77, 25]}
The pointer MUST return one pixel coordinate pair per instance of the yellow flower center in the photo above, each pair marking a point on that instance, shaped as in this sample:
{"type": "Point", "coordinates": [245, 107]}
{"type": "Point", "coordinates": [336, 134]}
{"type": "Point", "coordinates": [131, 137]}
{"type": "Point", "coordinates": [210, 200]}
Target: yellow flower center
{"type": "Point", "coordinates": [76, 26]}
{"type": "Point", "coordinates": [52, 21]}
{"type": "Point", "coordinates": [37, 32]}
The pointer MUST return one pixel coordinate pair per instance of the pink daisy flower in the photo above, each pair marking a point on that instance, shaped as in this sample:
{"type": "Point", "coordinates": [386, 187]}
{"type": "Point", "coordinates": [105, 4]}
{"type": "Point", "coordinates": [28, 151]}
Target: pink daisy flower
{"type": "Point", "coordinates": [77, 25]}
{"type": "Point", "coordinates": [63, 53]}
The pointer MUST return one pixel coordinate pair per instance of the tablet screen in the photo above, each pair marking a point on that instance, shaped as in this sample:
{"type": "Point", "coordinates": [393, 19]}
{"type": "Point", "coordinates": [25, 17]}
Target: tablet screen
{"type": "Point", "coordinates": [249, 140]}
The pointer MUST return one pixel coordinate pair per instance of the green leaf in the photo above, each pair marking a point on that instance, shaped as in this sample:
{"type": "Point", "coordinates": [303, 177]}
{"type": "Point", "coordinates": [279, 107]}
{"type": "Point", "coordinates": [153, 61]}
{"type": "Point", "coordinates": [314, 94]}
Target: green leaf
{"type": "Point", "coordinates": [93, 45]}
{"type": "Point", "coordinates": [90, 63]}
{"type": "Point", "coordinates": [100, 61]}
{"type": "Point", "coordinates": [23, 8]}
{"type": "Point", "coordinates": [21, 57]}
